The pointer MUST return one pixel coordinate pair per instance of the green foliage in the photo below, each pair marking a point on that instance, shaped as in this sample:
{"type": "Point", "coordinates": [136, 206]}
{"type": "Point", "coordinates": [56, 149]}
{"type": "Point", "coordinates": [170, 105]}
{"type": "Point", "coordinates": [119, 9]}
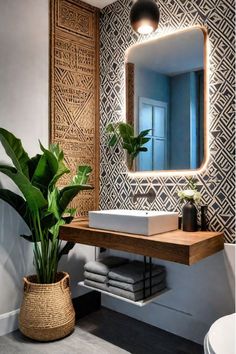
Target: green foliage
{"type": "Point", "coordinates": [15, 151]}
{"type": "Point", "coordinates": [124, 133]}
{"type": "Point", "coordinates": [17, 202]}
{"type": "Point", "coordinates": [82, 175]}
{"type": "Point", "coordinates": [43, 206]}
{"type": "Point", "coordinates": [33, 196]}
{"type": "Point", "coordinates": [190, 193]}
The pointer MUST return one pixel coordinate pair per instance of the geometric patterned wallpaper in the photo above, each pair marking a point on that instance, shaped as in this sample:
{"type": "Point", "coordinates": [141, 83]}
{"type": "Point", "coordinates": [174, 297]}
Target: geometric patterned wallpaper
{"type": "Point", "coordinates": [217, 181]}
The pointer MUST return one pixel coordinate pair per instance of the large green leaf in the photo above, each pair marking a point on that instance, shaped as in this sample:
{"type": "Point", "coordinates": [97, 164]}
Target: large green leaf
{"type": "Point", "coordinates": [15, 151]}
{"type": "Point", "coordinates": [54, 230]}
{"type": "Point", "coordinates": [17, 202]}
{"type": "Point", "coordinates": [66, 249]}
{"type": "Point", "coordinates": [82, 175]}
{"type": "Point", "coordinates": [142, 149]}
{"type": "Point", "coordinates": [143, 133]}
{"type": "Point", "coordinates": [33, 195]}
{"type": "Point", "coordinates": [126, 130]}
{"type": "Point", "coordinates": [45, 171]}
{"type": "Point", "coordinates": [127, 134]}
{"type": "Point", "coordinates": [53, 203]}
{"type": "Point", "coordinates": [113, 140]}
{"type": "Point", "coordinates": [144, 140]}
{"type": "Point", "coordinates": [61, 167]}
{"type": "Point", "coordinates": [31, 238]}
{"type": "Point", "coordinates": [47, 220]}
{"type": "Point", "coordinates": [32, 164]}
{"type": "Point", "coordinates": [67, 194]}
{"type": "Point", "coordinates": [128, 147]}
{"type": "Point", "coordinates": [55, 160]}
{"type": "Point", "coordinates": [113, 131]}
{"type": "Point", "coordinates": [57, 152]}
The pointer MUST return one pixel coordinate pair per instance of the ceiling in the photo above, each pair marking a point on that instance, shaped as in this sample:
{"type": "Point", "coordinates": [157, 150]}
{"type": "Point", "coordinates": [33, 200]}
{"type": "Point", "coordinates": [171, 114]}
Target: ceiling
{"type": "Point", "coordinates": [99, 3]}
{"type": "Point", "coordinates": [170, 55]}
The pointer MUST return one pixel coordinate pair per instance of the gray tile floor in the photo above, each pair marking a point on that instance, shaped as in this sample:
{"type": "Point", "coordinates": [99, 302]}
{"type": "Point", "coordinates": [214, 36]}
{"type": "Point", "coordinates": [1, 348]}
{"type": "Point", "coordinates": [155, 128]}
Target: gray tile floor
{"type": "Point", "coordinates": [105, 332]}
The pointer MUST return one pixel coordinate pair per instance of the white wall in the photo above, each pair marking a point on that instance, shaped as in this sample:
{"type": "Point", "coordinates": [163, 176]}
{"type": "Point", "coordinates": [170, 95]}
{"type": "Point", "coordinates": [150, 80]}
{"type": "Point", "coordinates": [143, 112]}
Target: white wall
{"type": "Point", "coordinates": [24, 111]}
{"type": "Point", "coordinates": [24, 64]}
{"type": "Point", "coordinates": [199, 295]}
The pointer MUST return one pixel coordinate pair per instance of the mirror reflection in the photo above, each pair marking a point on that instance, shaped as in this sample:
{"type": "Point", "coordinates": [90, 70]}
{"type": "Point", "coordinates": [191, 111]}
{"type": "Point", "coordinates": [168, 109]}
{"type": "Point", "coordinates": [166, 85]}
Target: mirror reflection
{"type": "Point", "coordinates": [165, 93]}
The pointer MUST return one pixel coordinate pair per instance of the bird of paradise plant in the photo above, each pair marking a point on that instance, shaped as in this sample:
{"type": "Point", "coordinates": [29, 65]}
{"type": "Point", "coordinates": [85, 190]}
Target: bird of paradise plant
{"type": "Point", "coordinates": [42, 204]}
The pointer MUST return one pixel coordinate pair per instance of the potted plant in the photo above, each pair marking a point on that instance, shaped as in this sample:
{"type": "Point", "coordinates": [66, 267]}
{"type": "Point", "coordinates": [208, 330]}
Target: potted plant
{"type": "Point", "coordinates": [124, 133]}
{"type": "Point", "coordinates": [46, 312]}
{"type": "Point", "coordinates": [190, 196]}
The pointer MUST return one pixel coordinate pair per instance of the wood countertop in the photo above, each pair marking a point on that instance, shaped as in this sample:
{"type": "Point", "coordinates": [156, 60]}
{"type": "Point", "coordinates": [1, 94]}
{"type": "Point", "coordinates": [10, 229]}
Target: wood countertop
{"type": "Point", "coordinates": [175, 246]}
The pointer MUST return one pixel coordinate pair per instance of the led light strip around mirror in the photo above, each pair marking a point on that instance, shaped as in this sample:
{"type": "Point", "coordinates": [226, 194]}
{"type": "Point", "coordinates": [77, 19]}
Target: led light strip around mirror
{"type": "Point", "coordinates": [204, 164]}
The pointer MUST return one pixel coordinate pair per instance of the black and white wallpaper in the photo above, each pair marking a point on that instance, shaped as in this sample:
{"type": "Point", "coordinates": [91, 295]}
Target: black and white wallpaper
{"type": "Point", "coordinates": [217, 182]}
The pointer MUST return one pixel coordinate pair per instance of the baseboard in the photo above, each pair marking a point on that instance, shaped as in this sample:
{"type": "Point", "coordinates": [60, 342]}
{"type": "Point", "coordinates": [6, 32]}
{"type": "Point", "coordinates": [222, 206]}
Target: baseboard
{"type": "Point", "coordinates": [8, 322]}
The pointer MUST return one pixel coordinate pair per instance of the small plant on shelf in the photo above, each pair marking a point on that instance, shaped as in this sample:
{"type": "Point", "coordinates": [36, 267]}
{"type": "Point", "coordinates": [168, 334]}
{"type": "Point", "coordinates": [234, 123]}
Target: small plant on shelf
{"type": "Point", "coordinates": [123, 133]}
{"type": "Point", "coordinates": [190, 193]}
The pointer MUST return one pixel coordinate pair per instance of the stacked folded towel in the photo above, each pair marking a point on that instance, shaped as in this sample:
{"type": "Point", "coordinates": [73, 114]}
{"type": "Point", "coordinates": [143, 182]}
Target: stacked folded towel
{"type": "Point", "coordinates": [96, 272]}
{"type": "Point", "coordinates": [123, 278]}
{"type": "Point", "coordinates": [127, 280]}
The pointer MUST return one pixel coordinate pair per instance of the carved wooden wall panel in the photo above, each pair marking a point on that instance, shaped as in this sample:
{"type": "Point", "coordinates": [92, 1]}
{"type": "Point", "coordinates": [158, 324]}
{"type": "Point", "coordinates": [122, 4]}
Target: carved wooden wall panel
{"type": "Point", "coordinates": [129, 70]}
{"type": "Point", "coordinates": [75, 90]}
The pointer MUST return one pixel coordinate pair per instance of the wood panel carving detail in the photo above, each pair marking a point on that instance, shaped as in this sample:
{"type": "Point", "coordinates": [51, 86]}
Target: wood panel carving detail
{"type": "Point", "coordinates": [74, 91]}
{"type": "Point", "coordinates": [72, 17]}
{"type": "Point", "coordinates": [129, 69]}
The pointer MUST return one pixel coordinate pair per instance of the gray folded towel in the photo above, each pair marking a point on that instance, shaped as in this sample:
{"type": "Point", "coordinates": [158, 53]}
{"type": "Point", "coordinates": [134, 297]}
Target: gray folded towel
{"type": "Point", "coordinates": [94, 284]}
{"type": "Point", "coordinates": [104, 265]}
{"type": "Point", "coordinates": [133, 272]}
{"type": "Point", "coordinates": [138, 295]}
{"type": "Point", "coordinates": [96, 277]}
{"type": "Point", "coordinates": [139, 285]}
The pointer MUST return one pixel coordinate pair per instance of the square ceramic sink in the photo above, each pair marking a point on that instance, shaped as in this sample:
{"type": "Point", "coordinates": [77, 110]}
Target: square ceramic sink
{"type": "Point", "coordinates": [139, 222]}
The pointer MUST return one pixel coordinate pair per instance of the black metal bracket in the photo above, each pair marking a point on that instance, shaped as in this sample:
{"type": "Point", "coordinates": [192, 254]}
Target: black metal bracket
{"type": "Point", "coordinates": [149, 268]}
{"type": "Point", "coordinates": [149, 278]}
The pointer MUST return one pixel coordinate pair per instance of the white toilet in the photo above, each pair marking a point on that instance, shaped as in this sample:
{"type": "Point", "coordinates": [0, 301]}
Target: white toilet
{"type": "Point", "coordinates": [221, 338]}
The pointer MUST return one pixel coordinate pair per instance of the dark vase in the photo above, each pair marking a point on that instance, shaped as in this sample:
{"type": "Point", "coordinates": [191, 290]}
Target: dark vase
{"type": "Point", "coordinates": [189, 217]}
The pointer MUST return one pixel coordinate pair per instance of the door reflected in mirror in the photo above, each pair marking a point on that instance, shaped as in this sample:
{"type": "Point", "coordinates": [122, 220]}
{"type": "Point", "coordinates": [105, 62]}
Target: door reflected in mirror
{"type": "Point", "coordinates": [165, 92]}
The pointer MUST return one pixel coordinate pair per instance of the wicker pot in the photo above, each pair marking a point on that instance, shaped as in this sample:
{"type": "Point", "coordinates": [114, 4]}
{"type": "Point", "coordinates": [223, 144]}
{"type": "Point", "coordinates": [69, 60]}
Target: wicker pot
{"type": "Point", "coordinates": [47, 312]}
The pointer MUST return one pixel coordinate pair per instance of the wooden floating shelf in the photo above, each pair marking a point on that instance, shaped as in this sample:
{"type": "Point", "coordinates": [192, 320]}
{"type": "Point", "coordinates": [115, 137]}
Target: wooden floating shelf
{"type": "Point", "coordinates": [139, 303]}
{"type": "Point", "coordinates": [175, 246]}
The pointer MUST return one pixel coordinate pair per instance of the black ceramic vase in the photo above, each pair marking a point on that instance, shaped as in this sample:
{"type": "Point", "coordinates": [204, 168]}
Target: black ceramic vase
{"type": "Point", "coordinates": [189, 217]}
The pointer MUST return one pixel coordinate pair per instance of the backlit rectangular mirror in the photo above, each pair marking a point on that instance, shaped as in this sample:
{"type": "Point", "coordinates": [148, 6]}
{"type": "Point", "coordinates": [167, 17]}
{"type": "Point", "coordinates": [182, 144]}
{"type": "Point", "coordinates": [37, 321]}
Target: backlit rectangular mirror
{"type": "Point", "coordinates": [166, 93]}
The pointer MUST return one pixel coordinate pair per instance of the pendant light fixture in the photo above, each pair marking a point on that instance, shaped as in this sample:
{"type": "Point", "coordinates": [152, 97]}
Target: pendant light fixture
{"type": "Point", "coordinates": [144, 16]}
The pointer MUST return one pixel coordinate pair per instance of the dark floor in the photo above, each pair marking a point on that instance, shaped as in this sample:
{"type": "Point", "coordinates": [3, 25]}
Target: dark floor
{"type": "Point", "coordinates": [105, 332]}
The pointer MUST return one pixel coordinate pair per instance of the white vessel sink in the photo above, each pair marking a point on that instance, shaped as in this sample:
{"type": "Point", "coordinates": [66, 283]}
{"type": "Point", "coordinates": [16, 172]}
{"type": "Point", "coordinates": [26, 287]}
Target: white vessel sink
{"type": "Point", "coordinates": [138, 222]}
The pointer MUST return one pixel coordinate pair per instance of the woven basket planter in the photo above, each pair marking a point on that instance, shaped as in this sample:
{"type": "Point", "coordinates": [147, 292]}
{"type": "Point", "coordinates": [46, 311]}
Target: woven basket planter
{"type": "Point", "coordinates": [47, 312]}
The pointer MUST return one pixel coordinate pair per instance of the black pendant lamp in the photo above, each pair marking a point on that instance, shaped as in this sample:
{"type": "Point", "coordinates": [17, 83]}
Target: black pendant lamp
{"type": "Point", "coordinates": [144, 16]}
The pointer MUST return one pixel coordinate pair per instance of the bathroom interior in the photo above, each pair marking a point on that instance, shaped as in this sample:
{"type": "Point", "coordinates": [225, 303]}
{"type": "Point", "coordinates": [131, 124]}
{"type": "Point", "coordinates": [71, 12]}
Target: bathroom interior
{"type": "Point", "coordinates": [117, 176]}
